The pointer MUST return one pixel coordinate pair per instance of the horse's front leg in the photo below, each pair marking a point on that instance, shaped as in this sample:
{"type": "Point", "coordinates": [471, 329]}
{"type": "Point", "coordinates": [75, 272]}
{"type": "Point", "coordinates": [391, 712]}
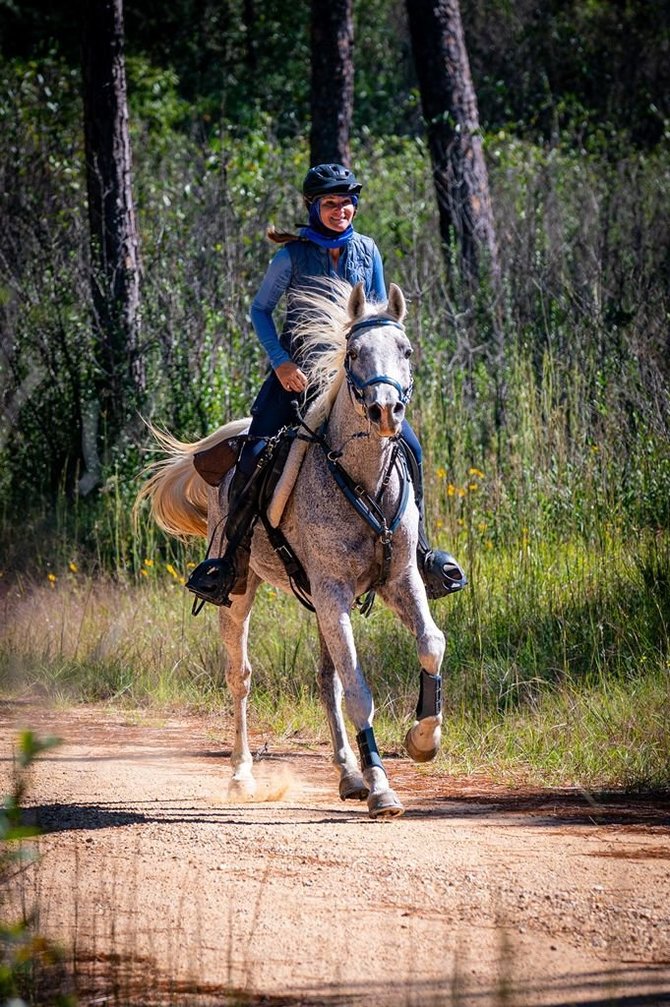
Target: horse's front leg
{"type": "Point", "coordinates": [407, 597]}
{"type": "Point", "coordinates": [352, 784]}
{"type": "Point", "coordinates": [234, 626]}
{"type": "Point", "coordinates": [333, 602]}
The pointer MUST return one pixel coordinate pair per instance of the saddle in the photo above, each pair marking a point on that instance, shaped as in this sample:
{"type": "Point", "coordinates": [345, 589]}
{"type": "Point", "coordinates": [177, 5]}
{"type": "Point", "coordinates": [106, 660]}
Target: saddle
{"type": "Point", "coordinates": [214, 463]}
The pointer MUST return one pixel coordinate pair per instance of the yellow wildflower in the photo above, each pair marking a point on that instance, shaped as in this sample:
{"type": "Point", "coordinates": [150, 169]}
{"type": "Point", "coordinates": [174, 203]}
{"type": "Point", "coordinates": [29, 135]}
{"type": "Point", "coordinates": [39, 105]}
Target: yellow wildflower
{"type": "Point", "coordinates": [171, 570]}
{"type": "Point", "coordinates": [477, 473]}
{"type": "Point", "coordinates": [73, 567]}
{"type": "Point", "coordinates": [52, 578]}
{"type": "Point", "coordinates": [441, 473]}
{"type": "Point", "coordinates": [143, 573]}
{"type": "Point", "coordinates": [473, 486]}
{"type": "Point", "coordinates": [148, 562]}
{"type": "Point", "coordinates": [451, 490]}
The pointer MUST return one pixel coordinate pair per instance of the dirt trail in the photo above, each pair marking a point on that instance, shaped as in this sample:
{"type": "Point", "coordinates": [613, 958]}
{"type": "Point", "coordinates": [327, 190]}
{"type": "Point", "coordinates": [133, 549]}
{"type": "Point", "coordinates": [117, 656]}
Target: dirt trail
{"type": "Point", "coordinates": [478, 895]}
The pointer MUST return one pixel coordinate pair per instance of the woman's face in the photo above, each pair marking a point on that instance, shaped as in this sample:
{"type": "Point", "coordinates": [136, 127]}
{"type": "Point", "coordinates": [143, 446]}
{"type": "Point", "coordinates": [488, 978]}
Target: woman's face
{"type": "Point", "coordinates": [336, 212]}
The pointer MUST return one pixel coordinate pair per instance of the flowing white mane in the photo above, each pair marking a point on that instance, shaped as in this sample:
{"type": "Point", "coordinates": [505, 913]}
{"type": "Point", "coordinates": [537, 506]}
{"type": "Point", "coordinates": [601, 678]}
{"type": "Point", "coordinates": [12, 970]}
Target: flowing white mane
{"type": "Point", "coordinates": [321, 333]}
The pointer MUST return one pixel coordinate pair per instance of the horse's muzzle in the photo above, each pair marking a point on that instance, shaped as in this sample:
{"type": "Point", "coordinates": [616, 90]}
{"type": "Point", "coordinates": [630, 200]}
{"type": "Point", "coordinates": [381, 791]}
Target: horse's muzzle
{"type": "Point", "coordinates": [386, 417]}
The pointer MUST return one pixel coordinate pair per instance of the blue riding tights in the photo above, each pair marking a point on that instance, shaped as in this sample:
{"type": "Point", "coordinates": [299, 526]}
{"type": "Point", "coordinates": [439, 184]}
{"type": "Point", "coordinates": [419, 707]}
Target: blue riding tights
{"type": "Point", "coordinates": [274, 409]}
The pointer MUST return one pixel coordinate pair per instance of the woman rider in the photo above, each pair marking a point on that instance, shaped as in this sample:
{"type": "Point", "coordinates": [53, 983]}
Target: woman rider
{"type": "Point", "coordinates": [328, 246]}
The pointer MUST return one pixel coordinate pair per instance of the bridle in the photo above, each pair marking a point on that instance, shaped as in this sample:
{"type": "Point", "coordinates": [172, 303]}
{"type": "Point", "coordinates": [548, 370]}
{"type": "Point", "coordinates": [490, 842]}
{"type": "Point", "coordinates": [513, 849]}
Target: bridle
{"type": "Point", "coordinates": [356, 385]}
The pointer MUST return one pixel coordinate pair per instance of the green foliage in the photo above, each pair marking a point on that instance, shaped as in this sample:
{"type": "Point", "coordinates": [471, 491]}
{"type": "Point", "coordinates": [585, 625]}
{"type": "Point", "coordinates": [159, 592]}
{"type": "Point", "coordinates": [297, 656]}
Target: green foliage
{"type": "Point", "coordinates": [45, 349]}
{"type": "Point", "coordinates": [546, 67]}
{"type": "Point", "coordinates": [584, 380]}
{"type": "Point", "coordinates": [571, 67]}
{"type": "Point", "coordinates": [25, 956]}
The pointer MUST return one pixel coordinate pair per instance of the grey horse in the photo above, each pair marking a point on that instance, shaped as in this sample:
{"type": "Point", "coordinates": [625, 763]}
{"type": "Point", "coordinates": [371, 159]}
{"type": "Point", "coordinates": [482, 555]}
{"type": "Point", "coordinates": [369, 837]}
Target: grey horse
{"type": "Point", "coordinates": [357, 358]}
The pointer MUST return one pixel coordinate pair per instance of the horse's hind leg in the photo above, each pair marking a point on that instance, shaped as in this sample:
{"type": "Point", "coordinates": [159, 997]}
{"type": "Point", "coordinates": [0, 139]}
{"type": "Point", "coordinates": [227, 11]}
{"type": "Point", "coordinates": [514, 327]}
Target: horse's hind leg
{"type": "Point", "coordinates": [352, 784]}
{"type": "Point", "coordinates": [234, 626]}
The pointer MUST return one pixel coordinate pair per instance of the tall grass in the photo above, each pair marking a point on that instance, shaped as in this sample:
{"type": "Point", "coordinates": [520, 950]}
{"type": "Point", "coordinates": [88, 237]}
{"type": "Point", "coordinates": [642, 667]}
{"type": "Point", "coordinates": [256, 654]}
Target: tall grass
{"type": "Point", "coordinates": [556, 666]}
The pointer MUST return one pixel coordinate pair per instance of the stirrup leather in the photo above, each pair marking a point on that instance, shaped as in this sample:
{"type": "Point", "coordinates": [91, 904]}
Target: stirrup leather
{"type": "Point", "coordinates": [441, 573]}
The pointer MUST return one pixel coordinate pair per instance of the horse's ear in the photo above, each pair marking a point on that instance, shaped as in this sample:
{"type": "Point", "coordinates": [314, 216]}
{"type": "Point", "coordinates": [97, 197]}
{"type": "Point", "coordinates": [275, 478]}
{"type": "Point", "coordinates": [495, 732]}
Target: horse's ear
{"type": "Point", "coordinates": [357, 301]}
{"type": "Point", "coordinates": [397, 308]}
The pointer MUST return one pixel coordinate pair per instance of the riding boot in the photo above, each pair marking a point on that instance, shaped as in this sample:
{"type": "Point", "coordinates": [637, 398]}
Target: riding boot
{"type": "Point", "coordinates": [215, 579]}
{"type": "Point", "coordinates": [440, 571]}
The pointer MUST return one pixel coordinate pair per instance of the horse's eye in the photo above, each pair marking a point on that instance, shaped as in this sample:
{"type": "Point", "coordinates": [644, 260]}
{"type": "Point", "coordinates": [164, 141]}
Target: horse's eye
{"type": "Point", "coordinates": [352, 354]}
{"type": "Point", "coordinates": [408, 352]}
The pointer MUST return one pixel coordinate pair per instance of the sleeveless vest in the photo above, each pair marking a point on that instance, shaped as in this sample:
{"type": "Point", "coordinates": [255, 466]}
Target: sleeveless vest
{"type": "Point", "coordinates": [310, 261]}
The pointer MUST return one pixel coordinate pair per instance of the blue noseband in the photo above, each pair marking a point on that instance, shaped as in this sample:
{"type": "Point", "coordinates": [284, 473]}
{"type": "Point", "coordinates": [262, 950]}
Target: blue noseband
{"type": "Point", "coordinates": [358, 387]}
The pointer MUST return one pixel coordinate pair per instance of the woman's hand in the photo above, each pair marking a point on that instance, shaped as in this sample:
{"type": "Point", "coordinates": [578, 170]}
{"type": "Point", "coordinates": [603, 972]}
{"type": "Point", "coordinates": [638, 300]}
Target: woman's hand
{"type": "Point", "coordinates": [291, 378]}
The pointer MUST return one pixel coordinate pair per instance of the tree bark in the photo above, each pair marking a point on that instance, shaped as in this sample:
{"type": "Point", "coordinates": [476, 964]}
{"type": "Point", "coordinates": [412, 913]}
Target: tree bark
{"type": "Point", "coordinates": [452, 122]}
{"type": "Point", "coordinates": [332, 97]}
{"type": "Point", "coordinates": [115, 265]}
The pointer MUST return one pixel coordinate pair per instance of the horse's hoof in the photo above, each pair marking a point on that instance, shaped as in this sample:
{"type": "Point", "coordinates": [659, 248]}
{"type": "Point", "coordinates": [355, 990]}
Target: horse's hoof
{"type": "Point", "coordinates": [242, 789]}
{"type": "Point", "coordinates": [353, 787]}
{"type": "Point", "coordinates": [417, 754]}
{"type": "Point", "coordinates": [385, 805]}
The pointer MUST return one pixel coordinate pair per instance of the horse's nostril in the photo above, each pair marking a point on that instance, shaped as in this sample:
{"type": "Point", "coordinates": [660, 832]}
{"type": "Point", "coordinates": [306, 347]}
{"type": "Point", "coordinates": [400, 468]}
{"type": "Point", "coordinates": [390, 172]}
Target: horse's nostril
{"type": "Point", "coordinates": [375, 413]}
{"type": "Point", "coordinates": [398, 409]}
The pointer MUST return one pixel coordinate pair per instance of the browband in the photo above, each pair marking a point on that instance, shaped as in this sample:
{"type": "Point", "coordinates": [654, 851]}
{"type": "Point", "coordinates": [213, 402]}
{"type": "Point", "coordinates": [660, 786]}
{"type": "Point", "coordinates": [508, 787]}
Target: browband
{"type": "Point", "coordinates": [369, 323]}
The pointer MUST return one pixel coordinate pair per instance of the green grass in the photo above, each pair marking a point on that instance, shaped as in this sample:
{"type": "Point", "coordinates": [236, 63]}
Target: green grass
{"type": "Point", "coordinates": [556, 668]}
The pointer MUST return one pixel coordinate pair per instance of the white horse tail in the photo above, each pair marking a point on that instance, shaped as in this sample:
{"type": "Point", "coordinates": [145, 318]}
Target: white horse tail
{"type": "Point", "coordinates": [177, 493]}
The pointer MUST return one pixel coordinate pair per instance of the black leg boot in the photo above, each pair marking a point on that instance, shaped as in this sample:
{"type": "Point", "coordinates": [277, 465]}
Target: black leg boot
{"type": "Point", "coordinates": [215, 579]}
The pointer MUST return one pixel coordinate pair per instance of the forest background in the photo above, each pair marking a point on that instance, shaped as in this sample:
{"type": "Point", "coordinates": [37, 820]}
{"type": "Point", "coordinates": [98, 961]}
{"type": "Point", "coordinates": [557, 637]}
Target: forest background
{"type": "Point", "coordinates": [548, 463]}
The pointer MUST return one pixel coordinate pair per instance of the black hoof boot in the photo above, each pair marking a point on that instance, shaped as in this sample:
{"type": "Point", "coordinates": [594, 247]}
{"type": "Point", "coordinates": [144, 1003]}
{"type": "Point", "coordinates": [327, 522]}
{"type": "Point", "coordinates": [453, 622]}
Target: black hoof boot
{"type": "Point", "coordinates": [213, 580]}
{"type": "Point", "coordinates": [441, 573]}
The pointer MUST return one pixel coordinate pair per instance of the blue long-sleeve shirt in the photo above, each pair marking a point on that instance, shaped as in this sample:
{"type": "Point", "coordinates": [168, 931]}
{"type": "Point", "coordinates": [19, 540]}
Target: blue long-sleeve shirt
{"type": "Point", "coordinates": [276, 282]}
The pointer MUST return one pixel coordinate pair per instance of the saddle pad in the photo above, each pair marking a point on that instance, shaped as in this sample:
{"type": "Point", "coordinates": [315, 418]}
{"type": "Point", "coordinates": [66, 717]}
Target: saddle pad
{"type": "Point", "coordinates": [316, 415]}
{"type": "Point", "coordinates": [286, 482]}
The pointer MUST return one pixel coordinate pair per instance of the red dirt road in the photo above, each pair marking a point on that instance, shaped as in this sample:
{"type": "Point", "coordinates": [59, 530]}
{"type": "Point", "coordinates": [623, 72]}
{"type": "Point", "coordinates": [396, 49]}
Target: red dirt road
{"type": "Point", "coordinates": [478, 895]}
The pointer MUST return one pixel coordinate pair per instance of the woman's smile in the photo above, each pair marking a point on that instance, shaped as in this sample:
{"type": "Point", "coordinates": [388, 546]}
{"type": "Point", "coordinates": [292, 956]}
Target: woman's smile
{"type": "Point", "coordinates": [336, 212]}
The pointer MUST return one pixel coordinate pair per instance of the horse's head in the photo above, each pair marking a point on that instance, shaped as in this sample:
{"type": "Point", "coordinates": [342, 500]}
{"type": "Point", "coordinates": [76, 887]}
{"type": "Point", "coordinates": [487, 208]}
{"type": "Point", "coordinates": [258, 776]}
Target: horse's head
{"type": "Point", "coordinates": [377, 358]}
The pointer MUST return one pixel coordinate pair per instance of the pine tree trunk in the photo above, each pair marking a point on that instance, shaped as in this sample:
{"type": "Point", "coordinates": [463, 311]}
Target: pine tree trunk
{"type": "Point", "coordinates": [332, 99]}
{"type": "Point", "coordinates": [452, 122]}
{"type": "Point", "coordinates": [115, 267]}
